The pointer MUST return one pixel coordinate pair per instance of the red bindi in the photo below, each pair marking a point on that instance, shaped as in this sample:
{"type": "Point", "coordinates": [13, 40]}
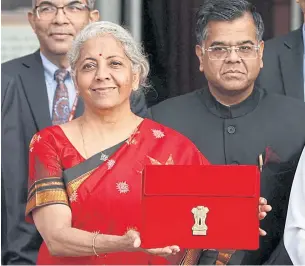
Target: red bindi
{"type": "Point", "coordinates": [100, 54]}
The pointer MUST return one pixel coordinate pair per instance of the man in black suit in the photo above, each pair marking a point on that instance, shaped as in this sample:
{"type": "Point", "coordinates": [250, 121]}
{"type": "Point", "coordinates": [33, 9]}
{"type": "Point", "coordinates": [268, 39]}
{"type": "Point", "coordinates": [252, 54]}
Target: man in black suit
{"type": "Point", "coordinates": [283, 70]}
{"type": "Point", "coordinates": [33, 90]}
{"type": "Point", "coordinates": [233, 122]}
{"type": "Point", "coordinates": [19, 240]}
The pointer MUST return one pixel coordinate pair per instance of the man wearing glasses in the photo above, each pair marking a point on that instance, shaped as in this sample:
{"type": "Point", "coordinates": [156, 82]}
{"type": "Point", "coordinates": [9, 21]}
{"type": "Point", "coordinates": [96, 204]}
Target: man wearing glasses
{"type": "Point", "coordinates": [232, 122]}
{"type": "Point", "coordinates": [43, 80]}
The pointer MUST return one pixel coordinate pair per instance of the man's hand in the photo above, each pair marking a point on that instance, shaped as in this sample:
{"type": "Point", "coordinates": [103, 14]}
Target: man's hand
{"type": "Point", "coordinates": [263, 208]}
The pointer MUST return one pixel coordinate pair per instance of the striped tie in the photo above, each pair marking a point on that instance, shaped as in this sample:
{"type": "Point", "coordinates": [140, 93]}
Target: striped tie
{"type": "Point", "coordinates": [191, 257]}
{"type": "Point", "coordinates": [224, 257]}
{"type": "Point", "coordinates": [61, 110]}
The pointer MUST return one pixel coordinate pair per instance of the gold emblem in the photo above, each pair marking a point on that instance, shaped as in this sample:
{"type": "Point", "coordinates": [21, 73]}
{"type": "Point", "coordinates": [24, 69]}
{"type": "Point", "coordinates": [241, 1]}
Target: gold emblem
{"type": "Point", "coordinates": [200, 215]}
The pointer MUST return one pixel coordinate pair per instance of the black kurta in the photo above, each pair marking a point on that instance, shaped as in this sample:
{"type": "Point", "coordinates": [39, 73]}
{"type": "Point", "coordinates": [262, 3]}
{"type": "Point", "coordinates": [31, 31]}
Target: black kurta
{"type": "Point", "coordinates": [267, 124]}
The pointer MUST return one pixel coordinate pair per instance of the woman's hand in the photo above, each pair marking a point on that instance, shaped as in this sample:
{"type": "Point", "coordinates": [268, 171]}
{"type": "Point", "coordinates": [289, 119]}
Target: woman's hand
{"type": "Point", "coordinates": [133, 242]}
{"type": "Point", "coordinates": [263, 208]}
{"type": "Point", "coordinates": [164, 252]}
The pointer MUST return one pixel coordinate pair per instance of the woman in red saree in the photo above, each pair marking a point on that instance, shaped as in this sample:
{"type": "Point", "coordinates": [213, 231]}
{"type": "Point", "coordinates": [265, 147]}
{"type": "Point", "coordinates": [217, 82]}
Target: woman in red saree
{"type": "Point", "coordinates": [104, 191]}
{"type": "Point", "coordinates": [85, 176]}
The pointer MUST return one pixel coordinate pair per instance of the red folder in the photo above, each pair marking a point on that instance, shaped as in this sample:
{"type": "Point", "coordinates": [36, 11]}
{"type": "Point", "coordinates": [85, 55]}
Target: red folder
{"type": "Point", "coordinates": [206, 207]}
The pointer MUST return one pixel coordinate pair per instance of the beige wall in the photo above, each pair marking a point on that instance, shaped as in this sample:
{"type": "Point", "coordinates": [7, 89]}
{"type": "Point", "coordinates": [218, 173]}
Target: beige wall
{"type": "Point", "coordinates": [17, 37]}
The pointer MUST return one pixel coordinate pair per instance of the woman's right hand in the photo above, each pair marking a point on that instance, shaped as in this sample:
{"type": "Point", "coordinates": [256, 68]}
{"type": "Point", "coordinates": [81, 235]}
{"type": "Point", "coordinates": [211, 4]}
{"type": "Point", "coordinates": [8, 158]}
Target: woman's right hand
{"type": "Point", "coordinates": [133, 242]}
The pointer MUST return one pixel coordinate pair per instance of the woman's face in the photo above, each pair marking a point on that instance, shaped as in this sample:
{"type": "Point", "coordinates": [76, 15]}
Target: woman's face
{"type": "Point", "coordinates": [104, 74]}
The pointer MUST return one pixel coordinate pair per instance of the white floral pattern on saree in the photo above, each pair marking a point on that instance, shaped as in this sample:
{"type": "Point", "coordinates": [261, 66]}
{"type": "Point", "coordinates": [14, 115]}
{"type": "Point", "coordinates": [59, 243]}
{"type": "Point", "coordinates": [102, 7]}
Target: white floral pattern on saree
{"type": "Point", "coordinates": [110, 164]}
{"type": "Point", "coordinates": [122, 187]}
{"type": "Point", "coordinates": [73, 197]}
{"type": "Point", "coordinates": [158, 134]}
{"type": "Point", "coordinates": [170, 161]}
{"type": "Point", "coordinates": [36, 138]}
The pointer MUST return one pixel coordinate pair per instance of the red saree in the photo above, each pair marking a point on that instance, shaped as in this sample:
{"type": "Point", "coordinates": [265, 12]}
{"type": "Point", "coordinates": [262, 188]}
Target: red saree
{"type": "Point", "coordinates": [103, 192]}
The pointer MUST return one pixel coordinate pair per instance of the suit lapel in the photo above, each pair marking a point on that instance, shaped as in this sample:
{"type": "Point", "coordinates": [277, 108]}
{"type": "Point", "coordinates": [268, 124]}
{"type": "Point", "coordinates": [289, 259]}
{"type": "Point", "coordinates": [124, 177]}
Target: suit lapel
{"type": "Point", "coordinates": [35, 88]}
{"type": "Point", "coordinates": [291, 60]}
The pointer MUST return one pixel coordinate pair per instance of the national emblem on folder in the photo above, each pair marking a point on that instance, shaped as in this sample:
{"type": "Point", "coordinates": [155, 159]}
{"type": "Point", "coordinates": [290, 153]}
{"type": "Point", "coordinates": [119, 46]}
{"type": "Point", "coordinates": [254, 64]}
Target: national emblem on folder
{"type": "Point", "coordinates": [200, 214]}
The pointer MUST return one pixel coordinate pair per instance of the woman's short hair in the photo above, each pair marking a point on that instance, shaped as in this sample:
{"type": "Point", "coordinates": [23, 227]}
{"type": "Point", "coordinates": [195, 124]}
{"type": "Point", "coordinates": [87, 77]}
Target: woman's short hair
{"type": "Point", "coordinates": [133, 49]}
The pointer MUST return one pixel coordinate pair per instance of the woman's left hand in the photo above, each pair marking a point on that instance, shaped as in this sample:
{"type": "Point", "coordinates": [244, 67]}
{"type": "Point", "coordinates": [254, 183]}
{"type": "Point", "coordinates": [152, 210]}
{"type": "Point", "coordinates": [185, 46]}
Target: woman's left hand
{"type": "Point", "coordinates": [164, 252]}
{"type": "Point", "coordinates": [263, 208]}
{"type": "Point", "coordinates": [133, 237]}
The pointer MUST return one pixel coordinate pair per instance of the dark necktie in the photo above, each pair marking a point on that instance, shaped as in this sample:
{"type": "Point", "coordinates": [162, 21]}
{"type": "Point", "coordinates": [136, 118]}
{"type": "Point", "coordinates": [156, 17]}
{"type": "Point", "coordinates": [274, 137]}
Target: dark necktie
{"type": "Point", "coordinates": [61, 110]}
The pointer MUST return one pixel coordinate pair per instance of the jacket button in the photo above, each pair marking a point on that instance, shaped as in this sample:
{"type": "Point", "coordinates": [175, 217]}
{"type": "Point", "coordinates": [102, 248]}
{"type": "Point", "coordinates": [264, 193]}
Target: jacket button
{"type": "Point", "coordinates": [231, 129]}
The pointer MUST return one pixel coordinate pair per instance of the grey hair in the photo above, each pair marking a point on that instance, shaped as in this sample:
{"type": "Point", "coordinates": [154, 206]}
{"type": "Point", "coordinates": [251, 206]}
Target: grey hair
{"type": "Point", "coordinates": [90, 3]}
{"type": "Point", "coordinates": [225, 10]}
{"type": "Point", "coordinates": [132, 49]}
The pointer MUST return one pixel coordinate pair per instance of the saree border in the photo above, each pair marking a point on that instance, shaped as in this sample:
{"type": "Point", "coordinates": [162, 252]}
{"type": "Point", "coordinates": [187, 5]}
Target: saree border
{"type": "Point", "coordinates": [77, 175]}
{"type": "Point", "coordinates": [45, 196]}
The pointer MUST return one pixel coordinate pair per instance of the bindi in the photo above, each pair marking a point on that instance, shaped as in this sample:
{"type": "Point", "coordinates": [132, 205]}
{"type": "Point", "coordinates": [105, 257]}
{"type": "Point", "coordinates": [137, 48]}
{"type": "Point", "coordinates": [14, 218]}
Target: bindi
{"type": "Point", "coordinates": [101, 55]}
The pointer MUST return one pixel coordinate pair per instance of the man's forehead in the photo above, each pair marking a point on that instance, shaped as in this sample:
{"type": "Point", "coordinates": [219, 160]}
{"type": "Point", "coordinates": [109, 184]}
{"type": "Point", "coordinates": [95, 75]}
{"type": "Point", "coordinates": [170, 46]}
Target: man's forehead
{"type": "Point", "coordinates": [239, 29]}
{"type": "Point", "coordinates": [238, 33]}
{"type": "Point", "coordinates": [241, 23]}
{"type": "Point", "coordinates": [60, 2]}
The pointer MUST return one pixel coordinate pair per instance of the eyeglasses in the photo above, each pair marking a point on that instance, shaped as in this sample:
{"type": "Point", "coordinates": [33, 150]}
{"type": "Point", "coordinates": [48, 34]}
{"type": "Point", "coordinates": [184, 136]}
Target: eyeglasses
{"type": "Point", "coordinates": [72, 10]}
{"type": "Point", "coordinates": [222, 52]}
